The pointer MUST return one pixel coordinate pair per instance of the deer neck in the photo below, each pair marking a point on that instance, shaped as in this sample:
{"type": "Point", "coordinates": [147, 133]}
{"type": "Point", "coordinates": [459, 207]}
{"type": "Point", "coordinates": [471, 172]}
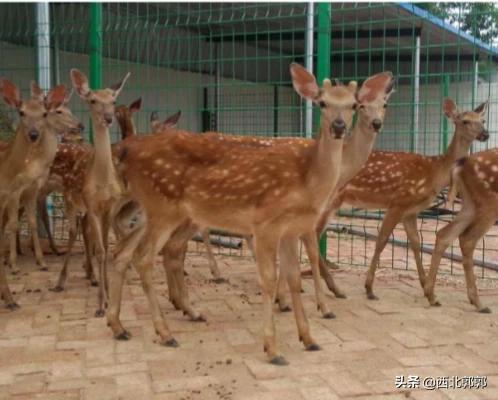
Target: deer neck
{"type": "Point", "coordinates": [458, 148]}
{"type": "Point", "coordinates": [127, 128]}
{"type": "Point", "coordinates": [325, 164]}
{"type": "Point", "coordinates": [357, 148]}
{"type": "Point", "coordinates": [102, 167]}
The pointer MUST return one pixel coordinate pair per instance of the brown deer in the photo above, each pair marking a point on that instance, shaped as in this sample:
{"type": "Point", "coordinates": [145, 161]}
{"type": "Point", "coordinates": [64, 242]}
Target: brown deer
{"type": "Point", "coordinates": [100, 190]}
{"type": "Point", "coordinates": [25, 162]}
{"type": "Point", "coordinates": [476, 178]}
{"type": "Point", "coordinates": [372, 101]}
{"type": "Point", "coordinates": [405, 183]}
{"type": "Point", "coordinates": [273, 193]}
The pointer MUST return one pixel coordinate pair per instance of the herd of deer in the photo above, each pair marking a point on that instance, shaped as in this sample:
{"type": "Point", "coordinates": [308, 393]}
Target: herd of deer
{"type": "Point", "coordinates": [273, 191]}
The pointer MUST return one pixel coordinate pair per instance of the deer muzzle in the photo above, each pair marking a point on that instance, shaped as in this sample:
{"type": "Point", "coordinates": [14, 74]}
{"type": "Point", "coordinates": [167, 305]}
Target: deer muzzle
{"type": "Point", "coordinates": [108, 119]}
{"type": "Point", "coordinates": [377, 124]}
{"type": "Point", "coordinates": [483, 136]}
{"type": "Point", "coordinates": [33, 135]}
{"type": "Point", "coordinates": [338, 127]}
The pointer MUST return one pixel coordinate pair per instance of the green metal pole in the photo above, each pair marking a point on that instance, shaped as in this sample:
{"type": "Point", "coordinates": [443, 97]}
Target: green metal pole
{"type": "Point", "coordinates": [446, 85]}
{"type": "Point", "coordinates": [323, 69]}
{"type": "Point", "coordinates": [95, 40]}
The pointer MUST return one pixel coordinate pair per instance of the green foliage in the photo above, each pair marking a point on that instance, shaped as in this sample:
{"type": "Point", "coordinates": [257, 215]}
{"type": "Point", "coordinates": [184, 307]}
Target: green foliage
{"type": "Point", "coordinates": [477, 19]}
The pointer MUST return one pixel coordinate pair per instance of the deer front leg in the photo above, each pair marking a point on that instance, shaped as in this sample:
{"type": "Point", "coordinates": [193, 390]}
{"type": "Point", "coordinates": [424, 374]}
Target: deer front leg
{"type": "Point", "coordinates": [11, 231]}
{"type": "Point", "coordinates": [391, 218]}
{"type": "Point", "coordinates": [444, 238]}
{"type": "Point", "coordinates": [43, 213]}
{"type": "Point", "coordinates": [290, 270]}
{"type": "Point", "coordinates": [468, 241]}
{"type": "Point", "coordinates": [311, 244]}
{"type": "Point", "coordinates": [411, 229]}
{"type": "Point", "coordinates": [265, 247]}
{"type": "Point", "coordinates": [98, 241]}
{"type": "Point", "coordinates": [87, 243]}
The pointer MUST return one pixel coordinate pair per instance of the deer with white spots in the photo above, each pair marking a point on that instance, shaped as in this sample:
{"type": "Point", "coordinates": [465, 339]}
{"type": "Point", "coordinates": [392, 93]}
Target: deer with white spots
{"type": "Point", "coordinates": [404, 184]}
{"type": "Point", "coordinates": [476, 178]}
{"type": "Point", "coordinates": [97, 191]}
{"type": "Point", "coordinates": [273, 193]}
{"type": "Point", "coordinates": [25, 162]}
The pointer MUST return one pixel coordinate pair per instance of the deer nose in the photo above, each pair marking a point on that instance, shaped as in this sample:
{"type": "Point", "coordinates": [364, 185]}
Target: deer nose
{"type": "Point", "coordinates": [108, 119]}
{"type": "Point", "coordinates": [81, 127]}
{"type": "Point", "coordinates": [339, 126]}
{"type": "Point", "coordinates": [377, 124]}
{"type": "Point", "coordinates": [33, 135]}
{"type": "Point", "coordinates": [483, 136]}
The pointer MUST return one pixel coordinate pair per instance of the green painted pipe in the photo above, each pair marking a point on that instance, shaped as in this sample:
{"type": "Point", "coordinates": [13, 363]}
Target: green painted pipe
{"type": "Point", "coordinates": [95, 56]}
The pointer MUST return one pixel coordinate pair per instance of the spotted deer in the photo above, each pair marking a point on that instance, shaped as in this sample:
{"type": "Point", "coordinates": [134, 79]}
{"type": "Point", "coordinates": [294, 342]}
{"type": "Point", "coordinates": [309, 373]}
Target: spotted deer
{"type": "Point", "coordinates": [273, 193]}
{"type": "Point", "coordinates": [476, 178]}
{"type": "Point", "coordinates": [371, 105]}
{"type": "Point", "coordinates": [25, 162]}
{"type": "Point", "coordinates": [98, 190]}
{"type": "Point", "coordinates": [404, 184]}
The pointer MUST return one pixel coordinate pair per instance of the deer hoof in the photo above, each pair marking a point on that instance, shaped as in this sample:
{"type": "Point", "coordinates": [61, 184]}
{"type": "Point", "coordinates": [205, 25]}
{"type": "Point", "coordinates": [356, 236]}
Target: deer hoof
{"type": "Point", "coordinates": [340, 295]}
{"type": "Point", "coordinates": [485, 310]}
{"type": "Point", "coordinates": [99, 313]}
{"type": "Point", "coordinates": [170, 343]}
{"type": "Point", "coordinates": [436, 304]}
{"type": "Point", "coordinates": [56, 289]}
{"type": "Point", "coordinates": [94, 283]}
{"type": "Point", "coordinates": [284, 308]}
{"type": "Point", "coordinates": [279, 360]}
{"type": "Point", "coordinates": [219, 280]}
{"type": "Point", "coordinates": [313, 347]}
{"type": "Point", "coordinates": [13, 306]}
{"type": "Point", "coordinates": [371, 296]}
{"type": "Point", "coordinates": [43, 268]}
{"type": "Point", "coordinates": [199, 318]}
{"type": "Point", "coordinates": [329, 315]}
{"type": "Point", "coordinates": [125, 335]}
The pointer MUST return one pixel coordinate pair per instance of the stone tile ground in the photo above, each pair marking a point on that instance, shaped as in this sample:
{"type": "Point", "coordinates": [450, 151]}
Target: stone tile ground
{"type": "Point", "coordinates": [53, 347]}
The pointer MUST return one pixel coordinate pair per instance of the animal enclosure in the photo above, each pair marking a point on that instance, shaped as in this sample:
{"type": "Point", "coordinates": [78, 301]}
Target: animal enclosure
{"type": "Point", "coordinates": [226, 67]}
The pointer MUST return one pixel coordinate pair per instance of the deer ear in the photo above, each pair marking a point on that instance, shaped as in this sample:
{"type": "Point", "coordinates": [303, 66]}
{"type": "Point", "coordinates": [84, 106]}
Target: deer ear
{"type": "Point", "coordinates": [481, 108]}
{"type": "Point", "coordinates": [80, 83]}
{"type": "Point", "coordinates": [10, 93]}
{"type": "Point", "coordinates": [36, 92]}
{"type": "Point", "coordinates": [117, 87]}
{"type": "Point", "coordinates": [304, 82]}
{"type": "Point", "coordinates": [68, 96]}
{"type": "Point", "coordinates": [378, 85]}
{"type": "Point", "coordinates": [55, 97]}
{"type": "Point", "coordinates": [135, 106]}
{"type": "Point", "coordinates": [172, 120]}
{"type": "Point", "coordinates": [450, 108]}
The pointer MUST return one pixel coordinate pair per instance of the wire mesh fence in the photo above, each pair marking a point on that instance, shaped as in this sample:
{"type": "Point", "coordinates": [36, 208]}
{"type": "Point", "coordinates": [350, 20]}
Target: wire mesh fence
{"type": "Point", "coordinates": [225, 66]}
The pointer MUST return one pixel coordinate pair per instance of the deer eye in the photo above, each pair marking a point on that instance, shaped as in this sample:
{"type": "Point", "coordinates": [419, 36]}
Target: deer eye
{"type": "Point", "coordinates": [465, 122]}
{"type": "Point", "coordinates": [59, 112]}
{"type": "Point", "coordinates": [21, 113]}
{"type": "Point", "coordinates": [322, 104]}
{"type": "Point", "coordinates": [45, 114]}
{"type": "Point", "coordinates": [362, 106]}
{"type": "Point", "coordinates": [93, 101]}
{"type": "Point", "coordinates": [114, 103]}
{"type": "Point", "coordinates": [355, 106]}
{"type": "Point", "coordinates": [385, 105]}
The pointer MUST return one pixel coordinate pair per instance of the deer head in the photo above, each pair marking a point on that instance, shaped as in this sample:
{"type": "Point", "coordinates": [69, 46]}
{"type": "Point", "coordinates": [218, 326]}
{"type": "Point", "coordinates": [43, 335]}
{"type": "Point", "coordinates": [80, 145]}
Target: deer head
{"type": "Point", "coordinates": [35, 115]}
{"type": "Point", "coordinates": [124, 116]}
{"type": "Point", "coordinates": [469, 125]}
{"type": "Point", "coordinates": [337, 103]}
{"type": "Point", "coordinates": [157, 126]}
{"type": "Point", "coordinates": [101, 101]}
{"type": "Point", "coordinates": [372, 100]}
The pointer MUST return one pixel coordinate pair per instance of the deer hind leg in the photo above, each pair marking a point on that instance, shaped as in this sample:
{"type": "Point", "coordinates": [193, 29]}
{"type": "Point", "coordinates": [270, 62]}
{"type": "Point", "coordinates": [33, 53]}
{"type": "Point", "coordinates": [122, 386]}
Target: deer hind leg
{"type": "Point", "coordinates": [311, 244]}
{"type": "Point", "coordinates": [410, 225]}
{"type": "Point", "coordinates": [87, 243]}
{"type": "Point", "coordinates": [213, 265]}
{"type": "Point", "coordinates": [391, 218]}
{"type": "Point", "coordinates": [10, 231]}
{"type": "Point", "coordinates": [4, 286]}
{"type": "Point", "coordinates": [122, 259]}
{"type": "Point", "coordinates": [444, 238]}
{"type": "Point", "coordinates": [468, 241]}
{"type": "Point", "coordinates": [30, 208]}
{"type": "Point", "coordinates": [41, 205]}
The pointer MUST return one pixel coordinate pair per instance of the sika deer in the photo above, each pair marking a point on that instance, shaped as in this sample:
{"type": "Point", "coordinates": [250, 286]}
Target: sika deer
{"type": "Point", "coordinates": [100, 190]}
{"type": "Point", "coordinates": [24, 163]}
{"type": "Point", "coordinates": [476, 178]}
{"type": "Point", "coordinates": [404, 183]}
{"type": "Point", "coordinates": [278, 198]}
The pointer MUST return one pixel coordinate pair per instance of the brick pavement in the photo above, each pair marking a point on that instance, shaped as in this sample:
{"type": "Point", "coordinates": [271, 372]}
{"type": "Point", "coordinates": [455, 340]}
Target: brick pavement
{"type": "Point", "coordinates": [53, 347]}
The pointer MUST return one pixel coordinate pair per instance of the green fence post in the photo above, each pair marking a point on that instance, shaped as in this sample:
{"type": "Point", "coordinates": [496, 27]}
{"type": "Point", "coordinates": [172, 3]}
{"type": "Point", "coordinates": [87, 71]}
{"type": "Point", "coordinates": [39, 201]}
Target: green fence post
{"type": "Point", "coordinates": [446, 85]}
{"type": "Point", "coordinates": [323, 69]}
{"type": "Point", "coordinates": [95, 40]}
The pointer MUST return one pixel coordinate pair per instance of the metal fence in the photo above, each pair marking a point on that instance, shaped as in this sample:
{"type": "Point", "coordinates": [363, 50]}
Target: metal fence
{"type": "Point", "coordinates": [225, 66]}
